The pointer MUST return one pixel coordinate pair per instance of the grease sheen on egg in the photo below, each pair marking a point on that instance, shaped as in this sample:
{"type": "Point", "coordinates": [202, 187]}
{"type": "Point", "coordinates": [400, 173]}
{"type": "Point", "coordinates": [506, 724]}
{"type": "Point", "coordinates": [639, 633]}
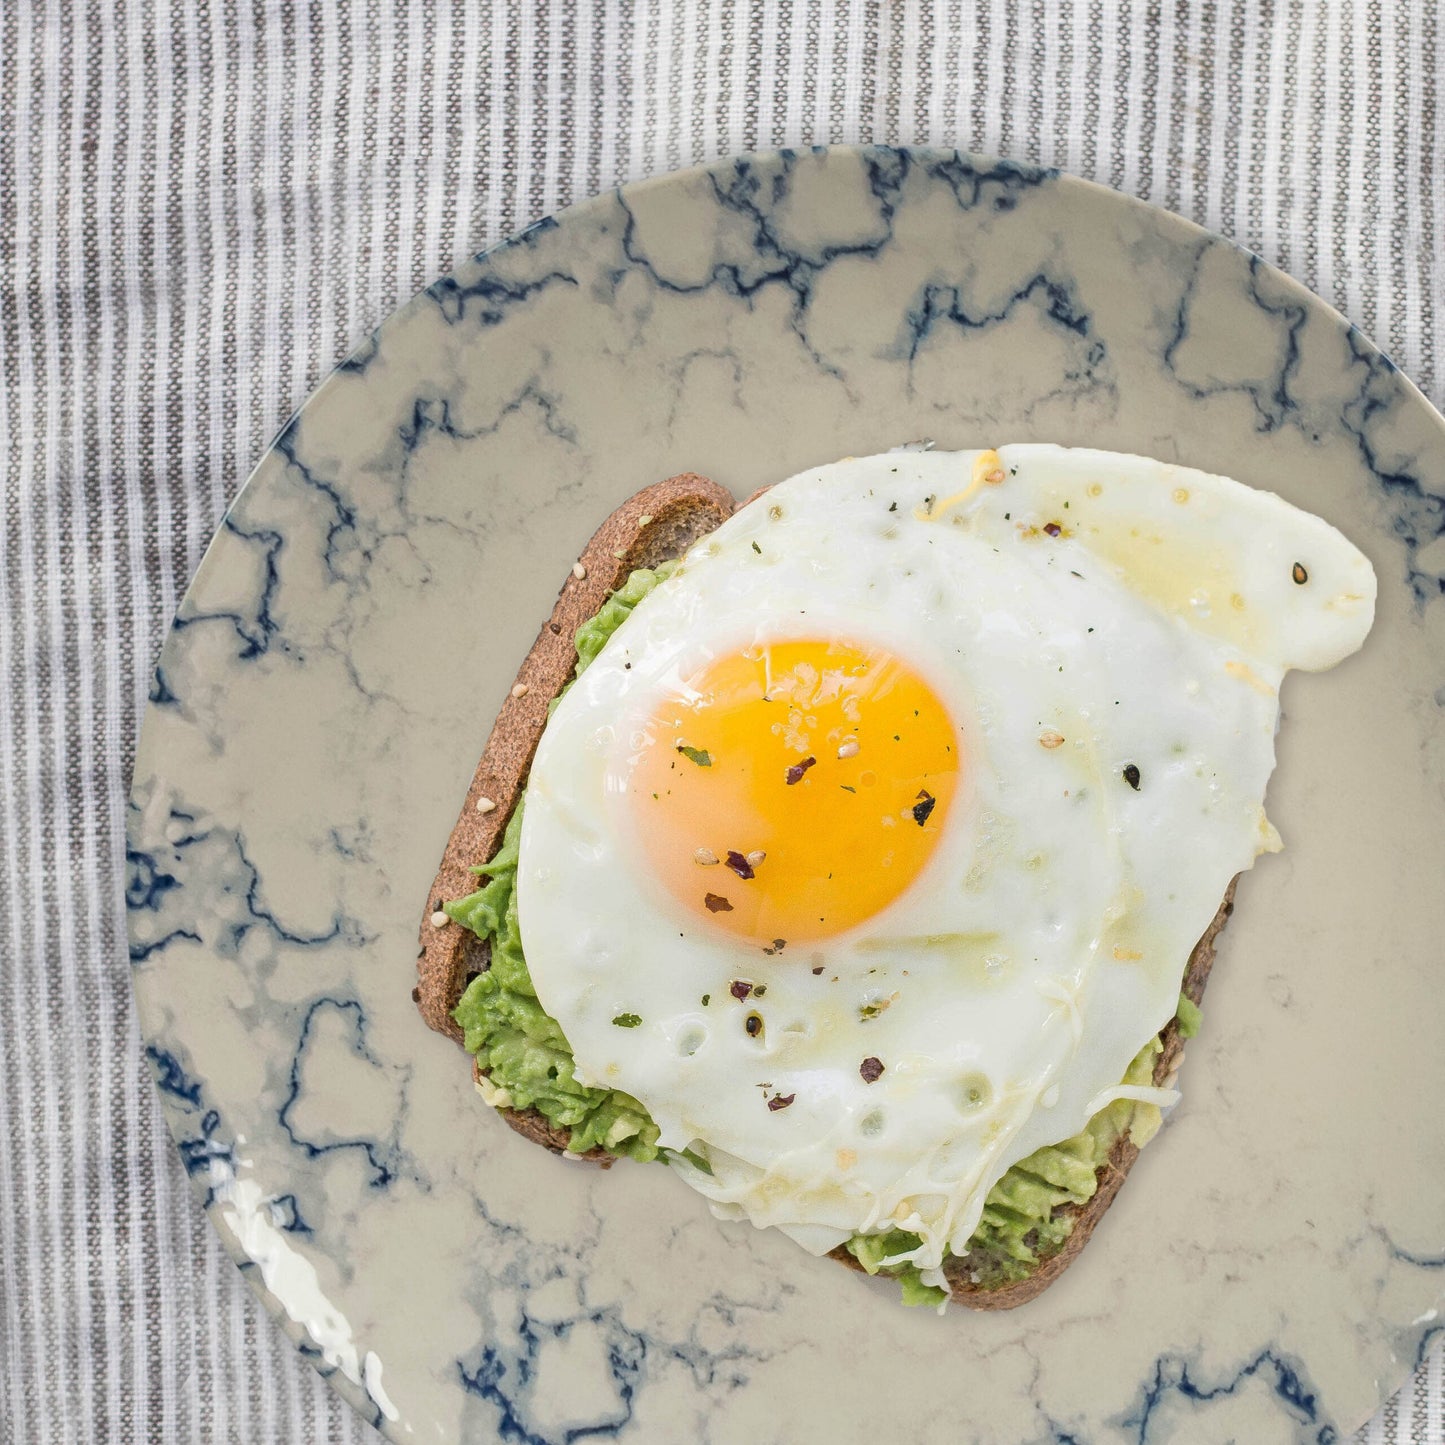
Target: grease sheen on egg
{"type": "Point", "coordinates": [1058, 672]}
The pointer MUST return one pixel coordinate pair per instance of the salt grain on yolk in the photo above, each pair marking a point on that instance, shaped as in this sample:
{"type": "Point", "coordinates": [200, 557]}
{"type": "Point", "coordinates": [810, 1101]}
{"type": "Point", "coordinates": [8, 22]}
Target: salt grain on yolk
{"type": "Point", "coordinates": [846, 836]}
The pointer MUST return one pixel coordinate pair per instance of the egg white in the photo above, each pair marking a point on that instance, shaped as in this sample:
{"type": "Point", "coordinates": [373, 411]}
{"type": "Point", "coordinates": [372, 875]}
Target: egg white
{"type": "Point", "coordinates": [1044, 943]}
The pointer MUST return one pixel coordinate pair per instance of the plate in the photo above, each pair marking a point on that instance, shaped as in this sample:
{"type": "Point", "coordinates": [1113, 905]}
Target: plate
{"type": "Point", "coordinates": [1275, 1266]}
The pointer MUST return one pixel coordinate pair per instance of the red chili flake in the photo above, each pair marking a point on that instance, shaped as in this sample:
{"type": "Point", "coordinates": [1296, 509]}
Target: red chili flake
{"type": "Point", "coordinates": [739, 865]}
{"type": "Point", "coordinates": [818, 969]}
{"type": "Point", "coordinates": [1052, 528]}
{"type": "Point", "coordinates": [795, 773]}
{"type": "Point", "coordinates": [871, 1069]}
{"type": "Point", "coordinates": [740, 989]}
{"type": "Point", "coordinates": [716, 903]}
{"type": "Point", "coordinates": [924, 807]}
{"type": "Point", "coordinates": [780, 1101]}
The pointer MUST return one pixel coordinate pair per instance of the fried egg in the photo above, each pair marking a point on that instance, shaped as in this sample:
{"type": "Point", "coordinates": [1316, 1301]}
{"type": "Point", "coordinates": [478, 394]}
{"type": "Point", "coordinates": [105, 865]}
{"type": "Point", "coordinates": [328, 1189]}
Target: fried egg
{"type": "Point", "coordinates": [872, 847]}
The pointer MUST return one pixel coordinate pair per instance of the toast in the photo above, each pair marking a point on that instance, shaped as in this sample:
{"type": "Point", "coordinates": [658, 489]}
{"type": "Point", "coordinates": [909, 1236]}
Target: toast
{"type": "Point", "coordinates": [653, 526]}
{"type": "Point", "coordinates": [656, 525]}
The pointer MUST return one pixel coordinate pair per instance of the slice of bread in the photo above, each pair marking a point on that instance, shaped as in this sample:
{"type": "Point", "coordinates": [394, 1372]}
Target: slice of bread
{"type": "Point", "coordinates": [656, 525]}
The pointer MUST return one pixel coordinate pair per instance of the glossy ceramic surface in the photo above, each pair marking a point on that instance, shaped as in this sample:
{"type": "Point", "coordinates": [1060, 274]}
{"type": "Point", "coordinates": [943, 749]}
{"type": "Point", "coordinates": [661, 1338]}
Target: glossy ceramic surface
{"type": "Point", "coordinates": [1275, 1265]}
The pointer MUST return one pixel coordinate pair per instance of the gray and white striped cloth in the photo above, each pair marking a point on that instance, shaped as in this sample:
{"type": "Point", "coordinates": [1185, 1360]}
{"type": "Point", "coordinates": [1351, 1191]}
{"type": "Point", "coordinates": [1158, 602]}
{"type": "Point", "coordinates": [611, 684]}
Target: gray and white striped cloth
{"type": "Point", "coordinates": [204, 206]}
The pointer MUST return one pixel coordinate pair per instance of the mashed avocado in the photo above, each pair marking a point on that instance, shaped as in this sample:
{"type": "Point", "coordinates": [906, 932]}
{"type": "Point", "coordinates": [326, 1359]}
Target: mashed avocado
{"type": "Point", "coordinates": [521, 1048]}
{"type": "Point", "coordinates": [528, 1064]}
{"type": "Point", "coordinates": [1019, 1229]}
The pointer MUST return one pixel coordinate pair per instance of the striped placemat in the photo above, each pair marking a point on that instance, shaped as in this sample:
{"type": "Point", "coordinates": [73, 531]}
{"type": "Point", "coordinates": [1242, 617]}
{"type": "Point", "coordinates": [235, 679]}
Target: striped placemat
{"type": "Point", "coordinates": [204, 206]}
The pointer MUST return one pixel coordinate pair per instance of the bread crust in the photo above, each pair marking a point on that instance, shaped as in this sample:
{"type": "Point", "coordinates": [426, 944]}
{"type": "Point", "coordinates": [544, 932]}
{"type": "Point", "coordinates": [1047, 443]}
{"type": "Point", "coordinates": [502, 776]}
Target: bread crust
{"type": "Point", "coordinates": [653, 526]}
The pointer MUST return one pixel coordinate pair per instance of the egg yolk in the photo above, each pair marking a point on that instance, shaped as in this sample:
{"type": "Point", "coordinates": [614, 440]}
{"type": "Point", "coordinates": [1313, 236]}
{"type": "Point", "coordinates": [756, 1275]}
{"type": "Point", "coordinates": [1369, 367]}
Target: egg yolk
{"type": "Point", "coordinates": [790, 791]}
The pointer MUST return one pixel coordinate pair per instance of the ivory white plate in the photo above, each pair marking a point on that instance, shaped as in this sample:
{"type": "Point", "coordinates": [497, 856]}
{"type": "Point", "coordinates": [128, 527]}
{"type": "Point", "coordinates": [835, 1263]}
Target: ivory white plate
{"type": "Point", "coordinates": [1275, 1266]}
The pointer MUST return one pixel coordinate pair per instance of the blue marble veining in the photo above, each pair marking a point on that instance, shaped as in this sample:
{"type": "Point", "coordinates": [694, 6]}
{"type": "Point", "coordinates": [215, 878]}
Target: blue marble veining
{"type": "Point", "coordinates": [1417, 516]}
{"type": "Point", "coordinates": [1173, 1382]}
{"type": "Point", "coordinates": [381, 1171]}
{"type": "Point", "coordinates": [1271, 395]}
{"type": "Point", "coordinates": [329, 681]}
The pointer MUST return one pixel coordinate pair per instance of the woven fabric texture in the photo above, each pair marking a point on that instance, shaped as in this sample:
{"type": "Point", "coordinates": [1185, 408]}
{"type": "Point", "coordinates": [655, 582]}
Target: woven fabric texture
{"type": "Point", "coordinates": [204, 204]}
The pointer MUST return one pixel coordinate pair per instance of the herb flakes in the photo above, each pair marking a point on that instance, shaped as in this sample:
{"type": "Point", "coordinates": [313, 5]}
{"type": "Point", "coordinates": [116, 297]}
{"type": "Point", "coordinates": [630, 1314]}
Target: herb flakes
{"type": "Point", "coordinates": [739, 865]}
{"type": "Point", "coordinates": [795, 773]}
{"type": "Point", "coordinates": [627, 1021]}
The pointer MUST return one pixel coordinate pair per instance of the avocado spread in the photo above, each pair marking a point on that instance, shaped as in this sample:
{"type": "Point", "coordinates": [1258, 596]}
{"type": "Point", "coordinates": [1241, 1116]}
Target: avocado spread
{"type": "Point", "coordinates": [527, 1064]}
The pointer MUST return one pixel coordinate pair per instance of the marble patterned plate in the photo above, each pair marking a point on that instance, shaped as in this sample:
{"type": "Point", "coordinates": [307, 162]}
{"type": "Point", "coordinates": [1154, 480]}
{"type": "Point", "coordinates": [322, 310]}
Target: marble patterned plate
{"type": "Point", "coordinates": [1276, 1264]}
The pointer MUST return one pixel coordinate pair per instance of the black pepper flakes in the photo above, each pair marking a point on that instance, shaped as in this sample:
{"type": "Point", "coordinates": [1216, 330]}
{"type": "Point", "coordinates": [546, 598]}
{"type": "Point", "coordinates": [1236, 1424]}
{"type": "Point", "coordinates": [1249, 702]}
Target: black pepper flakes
{"type": "Point", "coordinates": [795, 773]}
{"type": "Point", "coordinates": [871, 1070]}
{"type": "Point", "coordinates": [754, 1025]}
{"type": "Point", "coordinates": [1299, 574]}
{"type": "Point", "coordinates": [740, 988]}
{"type": "Point", "coordinates": [739, 865]}
{"type": "Point", "coordinates": [924, 807]}
{"type": "Point", "coordinates": [716, 903]}
{"type": "Point", "coordinates": [1131, 776]}
{"type": "Point", "coordinates": [780, 1101]}
{"type": "Point", "coordinates": [818, 969]}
